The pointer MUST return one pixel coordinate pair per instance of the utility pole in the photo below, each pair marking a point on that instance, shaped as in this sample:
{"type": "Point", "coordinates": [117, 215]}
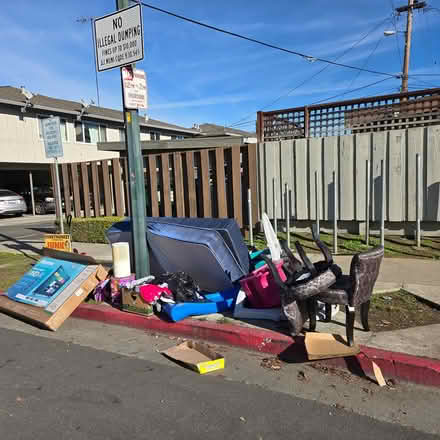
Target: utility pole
{"type": "Point", "coordinates": [136, 180]}
{"type": "Point", "coordinates": [412, 4]}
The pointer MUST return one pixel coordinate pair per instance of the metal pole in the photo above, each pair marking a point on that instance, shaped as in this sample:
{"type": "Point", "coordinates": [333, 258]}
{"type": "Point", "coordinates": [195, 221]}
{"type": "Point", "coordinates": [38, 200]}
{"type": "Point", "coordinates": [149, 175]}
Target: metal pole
{"type": "Point", "coordinates": [31, 183]}
{"type": "Point", "coordinates": [251, 226]}
{"type": "Point", "coordinates": [418, 176]}
{"type": "Point", "coordinates": [317, 203]}
{"type": "Point", "coordinates": [58, 196]}
{"type": "Point", "coordinates": [136, 179]}
{"type": "Point", "coordinates": [96, 70]}
{"type": "Point", "coordinates": [275, 213]}
{"type": "Point", "coordinates": [367, 206]}
{"type": "Point", "coordinates": [382, 211]}
{"type": "Point", "coordinates": [335, 214]}
{"type": "Point", "coordinates": [287, 215]}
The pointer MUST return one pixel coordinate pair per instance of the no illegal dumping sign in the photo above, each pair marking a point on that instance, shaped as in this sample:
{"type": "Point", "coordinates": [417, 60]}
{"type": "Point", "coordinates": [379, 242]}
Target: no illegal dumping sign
{"type": "Point", "coordinates": [119, 38]}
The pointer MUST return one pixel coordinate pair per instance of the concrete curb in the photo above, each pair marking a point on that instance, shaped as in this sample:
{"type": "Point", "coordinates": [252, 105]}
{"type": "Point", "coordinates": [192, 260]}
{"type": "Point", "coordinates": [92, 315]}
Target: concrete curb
{"type": "Point", "coordinates": [408, 368]}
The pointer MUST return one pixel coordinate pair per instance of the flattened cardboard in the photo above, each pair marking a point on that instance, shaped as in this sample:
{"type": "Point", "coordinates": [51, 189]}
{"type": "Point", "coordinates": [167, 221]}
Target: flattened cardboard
{"type": "Point", "coordinates": [63, 305]}
{"type": "Point", "coordinates": [197, 356]}
{"type": "Point", "coordinates": [326, 346]}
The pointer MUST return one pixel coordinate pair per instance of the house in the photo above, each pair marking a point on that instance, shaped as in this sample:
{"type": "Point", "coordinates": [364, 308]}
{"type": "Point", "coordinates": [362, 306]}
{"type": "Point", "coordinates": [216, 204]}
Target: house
{"type": "Point", "coordinates": [22, 158]}
{"type": "Point", "coordinates": [220, 130]}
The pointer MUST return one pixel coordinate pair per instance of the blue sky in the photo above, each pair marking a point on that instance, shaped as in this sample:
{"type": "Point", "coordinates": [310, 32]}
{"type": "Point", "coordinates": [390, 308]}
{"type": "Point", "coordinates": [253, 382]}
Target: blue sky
{"type": "Point", "coordinates": [196, 75]}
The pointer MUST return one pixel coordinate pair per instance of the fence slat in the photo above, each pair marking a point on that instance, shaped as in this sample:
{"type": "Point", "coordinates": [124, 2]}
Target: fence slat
{"type": "Point", "coordinates": [330, 164]}
{"type": "Point", "coordinates": [179, 199]}
{"type": "Point", "coordinates": [117, 179]}
{"type": "Point", "coordinates": [206, 183]}
{"type": "Point", "coordinates": [107, 190]}
{"type": "Point", "coordinates": [66, 185]}
{"type": "Point", "coordinates": [76, 194]}
{"type": "Point", "coordinates": [315, 165]}
{"type": "Point", "coordinates": [287, 164]}
{"type": "Point", "coordinates": [96, 190]}
{"type": "Point", "coordinates": [362, 153]}
{"type": "Point", "coordinates": [253, 182]}
{"type": "Point", "coordinates": [236, 186]}
{"type": "Point", "coordinates": [85, 188]}
{"type": "Point", "coordinates": [153, 186]}
{"type": "Point", "coordinates": [189, 155]}
{"type": "Point", "coordinates": [379, 153]}
{"type": "Point", "coordinates": [432, 211]}
{"type": "Point", "coordinates": [301, 198]}
{"type": "Point", "coordinates": [345, 180]}
{"type": "Point", "coordinates": [164, 160]}
{"type": "Point", "coordinates": [415, 146]}
{"type": "Point", "coordinates": [221, 187]}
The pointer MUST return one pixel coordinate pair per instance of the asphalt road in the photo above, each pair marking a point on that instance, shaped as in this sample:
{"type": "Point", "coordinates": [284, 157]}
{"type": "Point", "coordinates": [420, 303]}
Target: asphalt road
{"type": "Point", "coordinates": [27, 229]}
{"type": "Point", "coordinates": [55, 390]}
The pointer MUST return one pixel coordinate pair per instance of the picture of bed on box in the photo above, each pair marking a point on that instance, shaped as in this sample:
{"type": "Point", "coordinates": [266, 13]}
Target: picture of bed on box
{"type": "Point", "coordinates": [44, 282]}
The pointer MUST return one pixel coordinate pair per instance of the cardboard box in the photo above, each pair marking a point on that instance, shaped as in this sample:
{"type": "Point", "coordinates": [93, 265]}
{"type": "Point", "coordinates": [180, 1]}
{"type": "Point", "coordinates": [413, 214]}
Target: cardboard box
{"type": "Point", "coordinates": [326, 346]}
{"type": "Point", "coordinates": [132, 302]}
{"type": "Point", "coordinates": [83, 278]}
{"type": "Point", "coordinates": [197, 356]}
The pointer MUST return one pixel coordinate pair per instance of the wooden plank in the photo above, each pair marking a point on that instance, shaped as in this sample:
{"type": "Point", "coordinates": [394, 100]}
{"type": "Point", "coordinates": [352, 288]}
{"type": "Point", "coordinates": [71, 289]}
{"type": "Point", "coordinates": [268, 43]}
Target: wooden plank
{"type": "Point", "coordinates": [220, 180]}
{"type": "Point", "coordinates": [330, 156]}
{"type": "Point", "coordinates": [153, 185]}
{"type": "Point", "coordinates": [432, 204]}
{"type": "Point", "coordinates": [236, 185]}
{"type": "Point", "coordinates": [96, 190]}
{"type": "Point", "coordinates": [287, 168]}
{"type": "Point", "coordinates": [166, 188]}
{"type": "Point", "coordinates": [253, 182]}
{"type": "Point", "coordinates": [262, 180]}
{"type": "Point", "coordinates": [76, 193]}
{"type": "Point", "coordinates": [85, 188]}
{"type": "Point", "coordinates": [315, 165]}
{"type": "Point", "coordinates": [396, 175]}
{"type": "Point", "coordinates": [127, 186]}
{"type": "Point", "coordinates": [117, 179]}
{"type": "Point", "coordinates": [301, 180]}
{"type": "Point", "coordinates": [206, 183]}
{"type": "Point", "coordinates": [415, 146]}
{"type": "Point", "coordinates": [189, 156]}
{"type": "Point", "coordinates": [179, 197]}
{"type": "Point", "coordinates": [66, 185]}
{"type": "Point", "coordinates": [272, 178]}
{"type": "Point", "coordinates": [378, 153]}
{"type": "Point", "coordinates": [362, 154]}
{"type": "Point", "coordinates": [346, 183]}
{"type": "Point", "coordinates": [108, 208]}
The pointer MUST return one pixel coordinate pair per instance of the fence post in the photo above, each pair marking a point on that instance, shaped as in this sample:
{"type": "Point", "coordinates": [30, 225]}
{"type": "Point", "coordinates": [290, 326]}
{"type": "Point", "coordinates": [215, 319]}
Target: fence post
{"type": "Point", "coordinates": [260, 126]}
{"type": "Point", "coordinates": [287, 215]}
{"type": "Point", "coordinates": [382, 211]}
{"type": "Point", "coordinates": [335, 214]}
{"type": "Point", "coordinates": [306, 122]}
{"type": "Point", "coordinates": [251, 229]}
{"type": "Point", "coordinates": [317, 203]}
{"type": "Point", "coordinates": [418, 176]}
{"type": "Point", "coordinates": [367, 206]}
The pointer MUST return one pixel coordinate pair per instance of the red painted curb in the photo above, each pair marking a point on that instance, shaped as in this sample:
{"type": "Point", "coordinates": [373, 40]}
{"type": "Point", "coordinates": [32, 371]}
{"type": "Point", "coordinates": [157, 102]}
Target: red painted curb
{"type": "Point", "coordinates": [420, 370]}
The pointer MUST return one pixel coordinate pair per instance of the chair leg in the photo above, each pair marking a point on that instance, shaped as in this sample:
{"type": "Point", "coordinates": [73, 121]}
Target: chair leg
{"type": "Point", "coordinates": [365, 308]}
{"type": "Point", "coordinates": [349, 323]}
{"type": "Point", "coordinates": [328, 312]}
{"type": "Point", "coordinates": [312, 309]}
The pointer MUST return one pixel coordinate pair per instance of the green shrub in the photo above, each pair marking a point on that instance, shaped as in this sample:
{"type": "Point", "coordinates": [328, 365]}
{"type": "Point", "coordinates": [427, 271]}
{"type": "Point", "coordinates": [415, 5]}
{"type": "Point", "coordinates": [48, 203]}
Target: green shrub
{"type": "Point", "coordinates": [90, 229]}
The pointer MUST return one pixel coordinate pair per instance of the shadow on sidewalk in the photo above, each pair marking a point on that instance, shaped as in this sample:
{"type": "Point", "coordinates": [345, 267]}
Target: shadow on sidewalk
{"type": "Point", "coordinates": [24, 248]}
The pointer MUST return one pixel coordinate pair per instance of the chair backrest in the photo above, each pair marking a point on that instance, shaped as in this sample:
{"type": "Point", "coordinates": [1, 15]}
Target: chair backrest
{"type": "Point", "coordinates": [364, 271]}
{"type": "Point", "coordinates": [325, 251]}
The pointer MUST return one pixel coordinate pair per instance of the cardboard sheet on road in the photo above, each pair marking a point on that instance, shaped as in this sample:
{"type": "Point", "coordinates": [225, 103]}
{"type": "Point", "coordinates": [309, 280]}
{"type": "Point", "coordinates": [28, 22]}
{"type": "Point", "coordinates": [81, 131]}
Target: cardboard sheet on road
{"type": "Point", "coordinates": [61, 307]}
{"type": "Point", "coordinates": [326, 346]}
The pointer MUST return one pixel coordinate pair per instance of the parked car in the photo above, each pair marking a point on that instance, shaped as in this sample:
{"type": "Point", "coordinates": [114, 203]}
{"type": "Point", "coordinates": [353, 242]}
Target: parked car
{"type": "Point", "coordinates": [11, 203]}
{"type": "Point", "coordinates": [44, 199]}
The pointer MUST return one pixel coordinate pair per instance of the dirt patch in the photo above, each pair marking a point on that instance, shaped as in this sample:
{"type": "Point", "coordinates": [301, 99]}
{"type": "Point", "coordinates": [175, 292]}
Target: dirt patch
{"type": "Point", "coordinates": [399, 310]}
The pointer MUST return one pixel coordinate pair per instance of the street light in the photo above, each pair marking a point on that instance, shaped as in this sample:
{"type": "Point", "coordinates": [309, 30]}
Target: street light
{"type": "Point", "coordinates": [84, 20]}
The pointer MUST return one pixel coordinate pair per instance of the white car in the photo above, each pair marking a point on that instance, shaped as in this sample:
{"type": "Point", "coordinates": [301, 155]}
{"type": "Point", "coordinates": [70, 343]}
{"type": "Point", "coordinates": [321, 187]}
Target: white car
{"type": "Point", "coordinates": [11, 203]}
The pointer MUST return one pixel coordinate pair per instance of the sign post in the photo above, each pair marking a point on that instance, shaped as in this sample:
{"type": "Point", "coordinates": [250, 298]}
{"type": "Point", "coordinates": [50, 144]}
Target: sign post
{"type": "Point", "coordinates": [53, 146]}
{"type": "Point", "coordinates": [119, 41]}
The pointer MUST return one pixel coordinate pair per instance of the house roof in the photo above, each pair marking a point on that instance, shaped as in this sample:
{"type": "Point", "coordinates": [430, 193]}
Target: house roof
{"type": "Point", "coordinates": [215, 130]}
{"type": "Point", "coordinates": [13, 95]}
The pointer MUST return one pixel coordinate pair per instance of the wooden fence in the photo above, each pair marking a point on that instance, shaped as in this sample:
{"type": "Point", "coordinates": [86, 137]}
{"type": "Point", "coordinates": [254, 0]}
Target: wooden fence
{"type": "Point", "coordinates": [210, 182]}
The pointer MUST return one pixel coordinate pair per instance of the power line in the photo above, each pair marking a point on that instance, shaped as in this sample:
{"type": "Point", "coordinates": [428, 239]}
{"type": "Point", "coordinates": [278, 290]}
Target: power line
{"type": "Point", "coordinates": [272, 46]}
{"type": "Point", "coordinates": [351, 91]}
{"type": "Point", "coordinates": [317, 73]}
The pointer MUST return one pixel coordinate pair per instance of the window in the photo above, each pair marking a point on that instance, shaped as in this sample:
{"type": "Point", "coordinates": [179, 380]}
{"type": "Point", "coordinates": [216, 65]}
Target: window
{"type": "Point", "coordinates": [154, 136]}
{"type": "Point", "coordinates": [63, 127]}
{"type": "Point", "coordinates": [90, 133]}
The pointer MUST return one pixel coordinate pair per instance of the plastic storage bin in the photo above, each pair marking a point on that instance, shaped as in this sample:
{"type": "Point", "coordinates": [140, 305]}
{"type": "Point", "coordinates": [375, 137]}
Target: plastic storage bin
{"type": "Point", "coordinates": [260, 287]}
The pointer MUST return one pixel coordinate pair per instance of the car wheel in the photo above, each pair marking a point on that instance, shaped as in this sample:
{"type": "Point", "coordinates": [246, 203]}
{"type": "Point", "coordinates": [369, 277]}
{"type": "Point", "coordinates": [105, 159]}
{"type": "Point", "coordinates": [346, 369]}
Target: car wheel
{"type": "Point", "coordinates": [39, 209]}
